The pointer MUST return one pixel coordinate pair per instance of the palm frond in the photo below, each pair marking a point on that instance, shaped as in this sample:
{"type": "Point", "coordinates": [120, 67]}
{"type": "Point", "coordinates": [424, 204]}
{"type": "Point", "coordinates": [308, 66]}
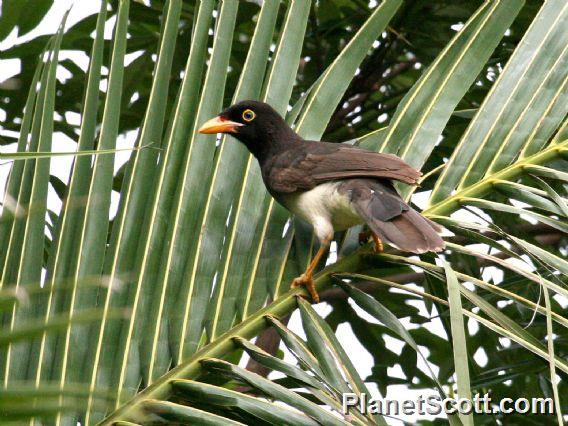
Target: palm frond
{"type": "Point", "coordinates": [157, 303]}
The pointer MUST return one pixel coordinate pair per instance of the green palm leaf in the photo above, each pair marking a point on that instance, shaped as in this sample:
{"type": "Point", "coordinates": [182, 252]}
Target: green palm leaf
{"type": "Point", "coordinates": [512, 95]}
{"type": "Point", "coordinates": [30, 256]}
{"type": "Point", "coordinates": [158, 303]}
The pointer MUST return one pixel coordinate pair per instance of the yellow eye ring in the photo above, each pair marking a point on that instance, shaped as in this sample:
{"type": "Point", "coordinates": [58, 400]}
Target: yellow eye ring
{"type": "Point", "coordinates": [248, 115]}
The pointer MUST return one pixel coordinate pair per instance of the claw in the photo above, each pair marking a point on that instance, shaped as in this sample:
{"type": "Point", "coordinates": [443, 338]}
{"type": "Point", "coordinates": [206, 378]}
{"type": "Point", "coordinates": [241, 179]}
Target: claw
{"type": "Point", "coordinates": [308, 282]}
{"type": "Point", "coordinates": [364, 237]}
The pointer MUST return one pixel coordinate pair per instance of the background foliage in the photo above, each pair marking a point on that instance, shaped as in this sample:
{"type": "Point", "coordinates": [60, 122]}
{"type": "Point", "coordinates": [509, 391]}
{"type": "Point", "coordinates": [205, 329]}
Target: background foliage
{"type": "Point", "coordinates": [197, 248]}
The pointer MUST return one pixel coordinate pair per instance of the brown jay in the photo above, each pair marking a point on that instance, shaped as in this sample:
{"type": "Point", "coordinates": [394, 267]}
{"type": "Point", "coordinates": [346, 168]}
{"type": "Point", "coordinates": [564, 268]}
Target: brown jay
{"type": "Point", "coordinates": [332, 186]}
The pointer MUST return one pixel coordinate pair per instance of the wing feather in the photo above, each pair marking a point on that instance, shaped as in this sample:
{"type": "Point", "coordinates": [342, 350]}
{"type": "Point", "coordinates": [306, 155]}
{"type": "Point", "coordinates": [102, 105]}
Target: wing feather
{"type": "Point", "coordinates": [320, 162]}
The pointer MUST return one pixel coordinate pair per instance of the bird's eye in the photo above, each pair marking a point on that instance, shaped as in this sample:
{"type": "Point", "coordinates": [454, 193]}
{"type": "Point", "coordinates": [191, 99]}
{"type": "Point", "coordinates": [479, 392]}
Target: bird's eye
{"type": "Point", "coordinates": [248, 115]}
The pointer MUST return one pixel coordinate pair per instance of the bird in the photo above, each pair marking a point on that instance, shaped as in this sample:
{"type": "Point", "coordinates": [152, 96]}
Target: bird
{"type": "Point", "coordinates": [331, 186]}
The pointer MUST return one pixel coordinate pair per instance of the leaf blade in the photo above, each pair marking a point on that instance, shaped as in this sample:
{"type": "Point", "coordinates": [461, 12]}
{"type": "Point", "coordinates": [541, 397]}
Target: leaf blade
{"type": "Point", "coordinates": [459, 170]}
{"type": "Point", "coordinates": [459, 342]}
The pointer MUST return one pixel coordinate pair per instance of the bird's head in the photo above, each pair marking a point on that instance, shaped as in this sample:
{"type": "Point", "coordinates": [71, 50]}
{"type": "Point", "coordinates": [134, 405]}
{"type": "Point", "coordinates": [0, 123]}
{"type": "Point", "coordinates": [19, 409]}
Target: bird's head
{"type": "Point", "coordinates": [256, 124]}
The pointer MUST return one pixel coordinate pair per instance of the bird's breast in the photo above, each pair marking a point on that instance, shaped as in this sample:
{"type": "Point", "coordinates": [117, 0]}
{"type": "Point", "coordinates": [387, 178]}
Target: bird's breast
{"type": "Point", "coordinates": [325, 202]}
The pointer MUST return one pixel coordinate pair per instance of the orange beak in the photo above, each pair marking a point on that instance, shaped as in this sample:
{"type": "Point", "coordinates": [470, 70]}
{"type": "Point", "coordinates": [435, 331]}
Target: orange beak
{"type": "Point", "coordinates": [219, 125]}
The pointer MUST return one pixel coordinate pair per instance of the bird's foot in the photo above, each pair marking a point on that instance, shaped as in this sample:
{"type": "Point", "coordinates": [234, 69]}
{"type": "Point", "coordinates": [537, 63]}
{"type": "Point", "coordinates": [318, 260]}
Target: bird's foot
{"type": "Point", "coordinates": [364, 238]}
{"type": "Point", "coordinates": [308, 282]}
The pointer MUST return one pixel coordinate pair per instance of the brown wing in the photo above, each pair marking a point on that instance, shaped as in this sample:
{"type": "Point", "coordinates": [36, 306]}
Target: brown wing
{"type": "Point", "coordinates": [313, 163]}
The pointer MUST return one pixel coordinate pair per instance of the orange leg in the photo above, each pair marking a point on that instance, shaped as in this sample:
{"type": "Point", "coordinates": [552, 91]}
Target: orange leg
{"type": "Point", "coordinates": [378, 243]}
{"type": "Point", "coordinates": [364, 237]}
{"type": "Point", "coordinates": [307, 279]}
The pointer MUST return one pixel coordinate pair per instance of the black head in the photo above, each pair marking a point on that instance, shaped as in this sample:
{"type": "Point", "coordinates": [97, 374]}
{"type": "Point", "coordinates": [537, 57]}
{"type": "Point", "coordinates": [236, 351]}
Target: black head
{"type": "Point", "coordinates": [256, 124]}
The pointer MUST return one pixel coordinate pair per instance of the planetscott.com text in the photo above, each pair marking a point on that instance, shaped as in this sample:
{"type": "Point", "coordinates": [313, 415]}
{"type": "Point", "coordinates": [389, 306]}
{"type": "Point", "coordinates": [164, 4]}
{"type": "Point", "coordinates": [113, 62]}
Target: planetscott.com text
{"type": "Point", "coordinates": [435, 405]}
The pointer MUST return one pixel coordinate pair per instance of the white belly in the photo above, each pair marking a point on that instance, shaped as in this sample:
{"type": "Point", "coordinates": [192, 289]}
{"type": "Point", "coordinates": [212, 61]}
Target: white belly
{"type": "Point", "coordinates": [325, 208]}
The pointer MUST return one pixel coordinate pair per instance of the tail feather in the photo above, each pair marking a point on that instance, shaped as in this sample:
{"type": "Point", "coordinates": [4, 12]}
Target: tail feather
{"type": "Point", "coordinates": [409, 232]}
{"type": "Point", "coordinates": [378, 203]}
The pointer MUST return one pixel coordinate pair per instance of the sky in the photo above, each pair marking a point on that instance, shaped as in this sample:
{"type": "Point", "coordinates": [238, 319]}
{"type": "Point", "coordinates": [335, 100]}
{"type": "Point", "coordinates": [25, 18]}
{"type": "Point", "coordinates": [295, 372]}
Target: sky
{"type": "Point", "coordinates": [60, 167]}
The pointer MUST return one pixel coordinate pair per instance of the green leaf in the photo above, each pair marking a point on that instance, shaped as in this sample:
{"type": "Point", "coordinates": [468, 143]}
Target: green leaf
{"type": "Point", "coordinates": [529, 195]}
{"type": "Point", "coordinates": [233, 161]}
{"type": "Point", "coordinates": [321, 337]}
{"type": "Point", "coordinates": [547, 257]}
{"type": "Point", "coordinates": [22, 392]}
{"type": "Point", "coordinates": [497, 290]}
{"type": "Point", "coordinates": [93, 226]}
{"type": "Point", "coordinates": [250, 226]}
{"type": "Point", "coordinates": [479, 189]}
{"type": "Point", "coordinates": [550, 341]}
{"type": "Point", "coordinates": [182, 414]}
{"type": "Point", "coordinates": [520, 271]}
{"type": "Point", "coordinates": [19, 203]}
{"type": "Point", "coordinates": [298, 348]}
{"type": "Point", "coordinates": [212, 395]}
{"type": "Point", "coordinates": [20, 413]}
{"type": "Point", "coordinates": [474, 232]}
{"type": "Point", "coordinates": [277, 364]}
{"type": "Point", "coordinates": [138, 178]}
{"type": "Point", "coordinates": [10, 207]}
{"type": "Point", "coordinates": [31, 255]}
{"type": "Point", "coordinates": [425, 110]}
{"type": "Point", "coordinates": [192, 366]}
{"type": "Point", "coordinates": [546, 171]}
{"type": "Point", "coordinates": [50, 154]}
{"type": "Point", "coordinates": [180, 129]}
{"type": "Point", "coordinates": [505, 208]}
{"type": "Point", "coordinates": [25, 331]}
{"type": "Point", "coordinates": [459, 342]}
{"type": "Point", "coordinates": [377, 310]}
{"type": "Point", "coordinates": [558, 199]}
{"type": "Point", "coordinates": [371, 140]}
{"type": "Point", "coordinates": [322, 351]}
{"type": "Point", "coordinates": [32, 12]}
{"type": "Point", "coordinates": [562, 133]}
{"type": "Point", "coordinates": [278, 87]}
{"type": "Point", "coordinates": [65, 242]}
{"type": "Point", "coordinates": [507, 327]}
{"type": "Point", "coordinates": [331, 86]}
{"type": "Point", "coordinates": [538, 116]}
{"type": "Point", "coordinates": [511, 94]}
{"type": "Point", "coordinates": [185, 327]}
{"type": "Point", "coordinates": [273, 390]}
{"type": "Point", "coordinates": [511, 329]}
{"type": "Point", "coordinates": [10, 12]}
{"type": "Point", "coordinates": [549, 121]}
